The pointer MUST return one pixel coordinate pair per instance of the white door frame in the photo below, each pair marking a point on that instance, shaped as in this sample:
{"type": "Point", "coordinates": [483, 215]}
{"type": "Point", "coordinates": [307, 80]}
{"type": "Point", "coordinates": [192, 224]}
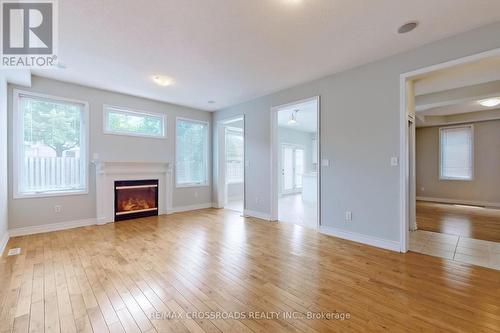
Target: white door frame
{"type": "Point", "coordinates": [220, 158]}
{"type": "Point", "coordinates": [275, 174]}
{"type": "Point", "coordinates": [407, 185]}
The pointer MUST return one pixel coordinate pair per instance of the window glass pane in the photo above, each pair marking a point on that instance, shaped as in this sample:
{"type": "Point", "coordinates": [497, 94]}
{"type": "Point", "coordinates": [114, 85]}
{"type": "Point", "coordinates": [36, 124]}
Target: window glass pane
{"type": "Point", "coordinates": [456, 153]}
{"type": "Point", "coordinates": [51, 151]}
{"type": "Point", "coordinates": [191, 152]}
{"type": "Point", "coordinates": [288, 168]}
{"type": "Point", "coordinates": [234, 155]}
{"type": "Point", "coordinates": [299, 167]}
{"type": "Point", "coordinates": [135, 123]}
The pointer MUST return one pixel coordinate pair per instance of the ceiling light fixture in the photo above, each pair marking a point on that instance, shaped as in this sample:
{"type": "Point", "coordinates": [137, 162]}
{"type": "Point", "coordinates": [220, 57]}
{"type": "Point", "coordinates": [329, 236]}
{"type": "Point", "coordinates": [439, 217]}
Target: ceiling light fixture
{"type": "Point", "coordinates": [407, 27]}
{"type": "Point", "coordinates": [211, 102]}
{"type": "Point", "coordinates": [293, 118]}
{"type": "Point", "coordinates": [490, 102]}
{"type": "Point", "coordinates": [162, 80]}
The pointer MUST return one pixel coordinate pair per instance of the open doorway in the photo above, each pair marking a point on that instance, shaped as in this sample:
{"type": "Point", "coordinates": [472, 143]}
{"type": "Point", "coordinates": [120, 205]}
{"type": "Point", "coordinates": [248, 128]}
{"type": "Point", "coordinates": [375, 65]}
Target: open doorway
{"type": "Point", "coordinates": [295, 133]}
{"type": "Point", "coordinates": [231, 185]}
{"type": "Point", "coordinates": [453, 162]}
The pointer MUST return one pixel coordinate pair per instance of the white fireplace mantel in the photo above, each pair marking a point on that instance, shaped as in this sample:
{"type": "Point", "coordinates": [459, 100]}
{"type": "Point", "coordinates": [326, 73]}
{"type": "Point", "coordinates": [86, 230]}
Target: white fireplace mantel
{"type": "Point", "coordinates": [107, 172]}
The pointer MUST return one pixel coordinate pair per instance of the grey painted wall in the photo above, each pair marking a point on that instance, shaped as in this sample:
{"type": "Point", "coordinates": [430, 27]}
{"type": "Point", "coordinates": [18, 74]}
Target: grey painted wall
{"type": "Point", "coordinates": [360, 121]}
{"type": "Point", "coordinates": [3, 158]}
{"type": "Point", "coordinates": [484, 187]}
{"type": "Point", "coordinates": [29, 212]}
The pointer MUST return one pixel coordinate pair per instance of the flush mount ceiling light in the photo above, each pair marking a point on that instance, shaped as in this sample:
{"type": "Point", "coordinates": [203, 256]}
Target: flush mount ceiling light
{"type": "Point", "coordinates": [407, 27]}
{"type": "Point", "coordinates": [490, 102]}
{"type": "Point", "coordinates": [162, 80]}
{"type": "Point", "coordinates": [293, 118]}
{"type": "Point", "coordinates": [211, 102]}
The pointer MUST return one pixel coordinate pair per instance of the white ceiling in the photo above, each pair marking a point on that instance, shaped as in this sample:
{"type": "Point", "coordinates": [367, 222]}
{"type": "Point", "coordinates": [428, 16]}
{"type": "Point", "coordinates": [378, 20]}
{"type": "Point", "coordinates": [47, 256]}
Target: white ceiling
{"type": "Point", "coordinates": [306, 117]}
{"type": "Point", "coordinates": [235, 50]}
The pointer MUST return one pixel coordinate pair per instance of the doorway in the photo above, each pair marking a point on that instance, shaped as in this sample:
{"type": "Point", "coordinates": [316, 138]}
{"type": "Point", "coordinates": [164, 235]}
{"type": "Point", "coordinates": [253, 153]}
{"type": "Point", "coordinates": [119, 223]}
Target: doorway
{"type": "Point", "coordinates": [231, 166]}
{"type": "Point", "coordinates": [451, 124]}
{"type": "Point", "coordinates": [295, 163]}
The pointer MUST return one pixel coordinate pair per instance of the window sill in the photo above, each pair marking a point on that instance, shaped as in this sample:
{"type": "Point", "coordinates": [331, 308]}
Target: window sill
{"type": "Point", "coordinates": [457, 179]}
{"type": "Point", "coordinates": [137, 135]}
{"type": "Point", "coordinates": [48, 194]}
{"type": "Point", "coordinates": [191, 185]}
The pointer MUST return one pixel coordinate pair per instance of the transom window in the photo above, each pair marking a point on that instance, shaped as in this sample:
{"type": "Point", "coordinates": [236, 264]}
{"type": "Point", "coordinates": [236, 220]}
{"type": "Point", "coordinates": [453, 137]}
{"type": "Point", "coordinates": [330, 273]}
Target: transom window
{"type": "Point", "coordinates": [50, 150]}
{"type": "Point", "coordinates": [124, 121]}
{"type": "Point", "coordinates": [191, 150]}
{"type": "Point", "coordinates": [456, 153]}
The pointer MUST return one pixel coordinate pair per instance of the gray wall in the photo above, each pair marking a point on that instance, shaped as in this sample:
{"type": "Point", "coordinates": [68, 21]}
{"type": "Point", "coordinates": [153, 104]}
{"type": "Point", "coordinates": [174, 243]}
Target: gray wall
{"type": "Point", "coordinates": [484, 187]}
{"type": "Point", "coordinates": [39, 211]}
{"type": "Point", "coordinates": [3, 158]}
{"type": "Point", "coordinates": [360, 121]}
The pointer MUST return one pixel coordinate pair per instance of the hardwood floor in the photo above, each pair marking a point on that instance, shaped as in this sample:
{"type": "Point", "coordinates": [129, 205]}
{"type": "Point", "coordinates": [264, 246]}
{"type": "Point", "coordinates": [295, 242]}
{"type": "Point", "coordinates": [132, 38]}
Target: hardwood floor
{"type": "Point", "coordinates": [471, 222]}
{"type": "Point", "coordinates": [128, 276]}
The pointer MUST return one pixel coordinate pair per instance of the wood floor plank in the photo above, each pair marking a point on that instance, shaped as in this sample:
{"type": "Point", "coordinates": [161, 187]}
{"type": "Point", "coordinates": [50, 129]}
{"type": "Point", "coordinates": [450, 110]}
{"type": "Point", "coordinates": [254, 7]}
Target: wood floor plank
{"type": "Point", "coordinates": [460, 220]}
{"type": "Point", "coordinates": [188, 272]}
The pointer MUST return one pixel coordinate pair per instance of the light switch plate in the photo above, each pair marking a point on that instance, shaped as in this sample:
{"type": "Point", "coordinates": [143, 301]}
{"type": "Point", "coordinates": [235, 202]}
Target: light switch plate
{"type": "Point", "coordinates": [325, 162]}
{"type": "Point", "coordinates": [394, 161]}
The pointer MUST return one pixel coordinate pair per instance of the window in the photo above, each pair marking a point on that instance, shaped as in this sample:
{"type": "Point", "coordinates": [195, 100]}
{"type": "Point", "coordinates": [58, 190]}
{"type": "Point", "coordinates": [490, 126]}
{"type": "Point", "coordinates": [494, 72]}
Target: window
{"type": "Point", "coordinates": [456, 153]}
{"type": "Point", "coordinates": [191, 149]}
{"type": "Point", "coordinates": [50, 153]}
{"type": "Point", "coordinates": [234, 155]}
{"type": "Point", "coordinates": [136, 123]}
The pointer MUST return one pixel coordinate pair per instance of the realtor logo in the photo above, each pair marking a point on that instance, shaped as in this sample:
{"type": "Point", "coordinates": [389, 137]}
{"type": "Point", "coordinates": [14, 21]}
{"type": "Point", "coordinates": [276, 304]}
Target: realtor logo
{"type": "Point", "coordinates": [28, 33]}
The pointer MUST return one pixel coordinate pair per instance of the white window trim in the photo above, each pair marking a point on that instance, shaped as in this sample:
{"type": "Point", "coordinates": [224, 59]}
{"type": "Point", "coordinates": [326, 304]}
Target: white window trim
{"type": "Point", "coordinates": [16, 122]}
{"type": "Point", "coordinates": [106, 108]}
{"type": "Point", "coordinates": [207, 154]}
{"type": "Point", "coordinates": [441, 177]}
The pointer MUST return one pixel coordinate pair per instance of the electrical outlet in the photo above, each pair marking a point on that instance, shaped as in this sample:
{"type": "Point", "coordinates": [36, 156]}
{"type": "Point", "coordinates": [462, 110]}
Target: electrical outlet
{"type": "Point", "coordinates": [257, 200]}
{"type": "Point", "coordinates": [196, 194]}
{"type": "Point", "coordinates": [422, 189]}
{"type": "Point", "coordinates": [57, 209]}
{"type": "Point", "coordinates": [348, 216]}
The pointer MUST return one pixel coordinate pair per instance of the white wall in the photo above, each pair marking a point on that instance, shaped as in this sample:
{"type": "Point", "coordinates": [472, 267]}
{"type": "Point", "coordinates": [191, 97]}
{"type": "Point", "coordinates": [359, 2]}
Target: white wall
{"type": "Point", "coordinates": [3, 162]}
{"type": "Point", "coordinates": [39, 211]}
{"type": "Point", "coordinates": [360, 122]}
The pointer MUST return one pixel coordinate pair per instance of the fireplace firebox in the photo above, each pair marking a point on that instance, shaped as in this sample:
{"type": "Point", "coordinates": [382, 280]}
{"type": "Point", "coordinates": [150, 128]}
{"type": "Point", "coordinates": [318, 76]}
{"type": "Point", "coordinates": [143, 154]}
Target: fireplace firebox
{"type": "Point", "coordinates": [135, 199]}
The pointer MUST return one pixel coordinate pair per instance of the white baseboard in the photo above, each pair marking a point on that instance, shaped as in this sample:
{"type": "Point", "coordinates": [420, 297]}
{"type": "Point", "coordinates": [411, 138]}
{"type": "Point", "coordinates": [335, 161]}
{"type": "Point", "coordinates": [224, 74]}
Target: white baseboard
{"type": "Point", "coordinates": [460, 202]}
{"type": "Point", "coordinates": [259, 215]}
{"type": "Point", "coordinates": [189, 208]}
{"type": "Point", "coordinates": [38, 229]}
{"type": "Point", "coordinates": [360, 238]}
{"type": "Point", "coordinates": [3, 242]}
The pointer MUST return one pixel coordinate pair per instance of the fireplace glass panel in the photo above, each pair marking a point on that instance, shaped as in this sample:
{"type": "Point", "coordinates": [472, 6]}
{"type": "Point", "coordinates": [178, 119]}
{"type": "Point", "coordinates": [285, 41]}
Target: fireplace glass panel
{"type": "Point", "coordinates": [135, 199]}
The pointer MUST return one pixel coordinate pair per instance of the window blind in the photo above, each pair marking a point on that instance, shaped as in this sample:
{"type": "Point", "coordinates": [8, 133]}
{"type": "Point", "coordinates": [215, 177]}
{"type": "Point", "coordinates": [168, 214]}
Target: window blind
{"type": "Point", "coordinates": [191, 153]}
{"type": "Point", "coordinates": [456, 150]}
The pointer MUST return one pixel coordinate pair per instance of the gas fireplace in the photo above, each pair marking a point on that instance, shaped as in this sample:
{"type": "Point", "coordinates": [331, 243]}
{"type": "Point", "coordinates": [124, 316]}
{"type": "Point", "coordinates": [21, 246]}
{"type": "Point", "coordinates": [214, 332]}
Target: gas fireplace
{"type": "Point", "coordinates": [135, 198]}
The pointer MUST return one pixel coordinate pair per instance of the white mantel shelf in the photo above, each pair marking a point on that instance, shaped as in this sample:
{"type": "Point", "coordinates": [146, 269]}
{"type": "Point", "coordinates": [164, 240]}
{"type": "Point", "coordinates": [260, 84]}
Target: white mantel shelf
{"type": "Point", "coordinates": [107, 172]}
